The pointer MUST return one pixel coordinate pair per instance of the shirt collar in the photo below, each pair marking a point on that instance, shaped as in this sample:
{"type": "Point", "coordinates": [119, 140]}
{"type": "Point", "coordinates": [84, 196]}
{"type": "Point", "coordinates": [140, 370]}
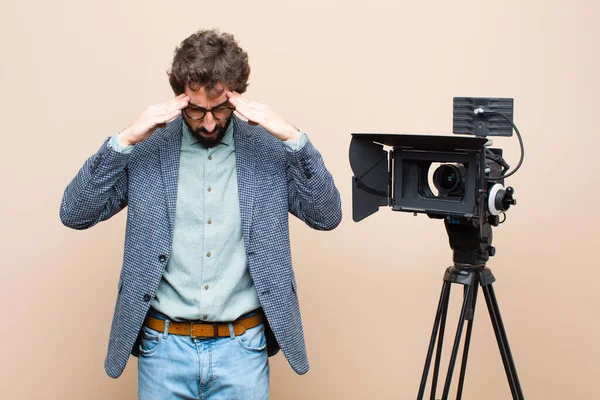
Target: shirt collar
{"type": "Point", "coordinates": [190, 140]}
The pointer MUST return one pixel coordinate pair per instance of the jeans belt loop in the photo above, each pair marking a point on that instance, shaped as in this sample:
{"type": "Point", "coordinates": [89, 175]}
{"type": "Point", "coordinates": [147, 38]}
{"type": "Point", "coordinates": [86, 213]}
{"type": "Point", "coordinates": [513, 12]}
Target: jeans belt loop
{"type": "Point", "coordinates": [166, 331]}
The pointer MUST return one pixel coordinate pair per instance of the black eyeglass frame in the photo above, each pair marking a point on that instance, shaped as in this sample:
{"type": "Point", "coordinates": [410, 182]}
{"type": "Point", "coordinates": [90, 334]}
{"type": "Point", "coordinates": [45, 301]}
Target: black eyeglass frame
{"type": "Point", "coordinates": [206, 110]}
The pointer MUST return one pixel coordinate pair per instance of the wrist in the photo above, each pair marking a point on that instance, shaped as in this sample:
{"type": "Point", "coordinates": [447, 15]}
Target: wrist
{"type": "Point", "coordinates": [124, 139]}
{"type": "Point", "coordinates": [293, 134]}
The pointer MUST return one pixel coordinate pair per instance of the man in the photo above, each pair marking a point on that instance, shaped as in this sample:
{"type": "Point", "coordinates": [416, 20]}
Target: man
{"type": "Point", "coordinates": [207, 291]}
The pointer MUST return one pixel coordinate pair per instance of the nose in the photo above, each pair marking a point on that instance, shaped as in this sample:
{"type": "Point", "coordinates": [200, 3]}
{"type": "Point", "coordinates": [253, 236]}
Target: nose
{"type": "Point", "coordinates": [209, 123]}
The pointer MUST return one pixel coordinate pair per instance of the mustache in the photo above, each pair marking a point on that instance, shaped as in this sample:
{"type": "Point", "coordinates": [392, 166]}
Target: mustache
{"type": "Point", "coordinates": [201, 129]}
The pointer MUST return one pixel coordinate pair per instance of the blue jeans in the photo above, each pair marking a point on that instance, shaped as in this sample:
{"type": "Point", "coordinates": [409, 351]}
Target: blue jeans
{"type": "Point", "coordinates": [179, 367]}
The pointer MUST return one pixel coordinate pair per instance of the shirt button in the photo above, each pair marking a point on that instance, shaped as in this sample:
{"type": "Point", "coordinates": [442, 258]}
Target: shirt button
{"type": "Point", "coordinates": [146, 298]}
{"type": "Point", "coordinates": [209, 158]}
{"type": "Point", "coordinates": [209, 189]}
{"type": "Point", "coordinates": [208, 254]}
{"type": "Point", "coordinates": [209, 221]}
{"type": "Point", "coordinates": [162, 258]}
{"type": "Point", "coordinates": [206, 287]}
{"type": "Point", "coordinates": [205, 317]}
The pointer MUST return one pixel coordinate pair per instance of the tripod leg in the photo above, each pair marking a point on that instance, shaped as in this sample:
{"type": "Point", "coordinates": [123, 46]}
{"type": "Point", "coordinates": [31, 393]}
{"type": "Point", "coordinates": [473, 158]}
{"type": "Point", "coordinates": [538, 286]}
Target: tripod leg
{"type": "Point", "coordinates": [441, 310]}
{"type": "Point", "coordinates": [459, 329]}
{"type": "Point", "coordinates": [507, 359]}
{"type": "Point", "coordinates": [438, 354]}
{"type": "Point", "coordinates": [470, 317]}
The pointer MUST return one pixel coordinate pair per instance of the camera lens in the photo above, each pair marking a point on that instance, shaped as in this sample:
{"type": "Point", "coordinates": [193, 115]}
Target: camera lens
{"type": "Point", "coordinates": [449, 179]}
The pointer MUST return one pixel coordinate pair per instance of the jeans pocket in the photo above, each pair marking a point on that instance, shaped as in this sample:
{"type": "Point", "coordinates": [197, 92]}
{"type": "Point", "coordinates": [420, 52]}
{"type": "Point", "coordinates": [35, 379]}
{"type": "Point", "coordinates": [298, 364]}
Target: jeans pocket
{"type": "Point", "coordinates": [253, 339]}
{"type": "Point", "coordinates": [150, 342]}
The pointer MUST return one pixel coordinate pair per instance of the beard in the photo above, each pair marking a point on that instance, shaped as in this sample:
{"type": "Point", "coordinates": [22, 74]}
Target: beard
{"type": "Point", "coordinates": [216, 135]}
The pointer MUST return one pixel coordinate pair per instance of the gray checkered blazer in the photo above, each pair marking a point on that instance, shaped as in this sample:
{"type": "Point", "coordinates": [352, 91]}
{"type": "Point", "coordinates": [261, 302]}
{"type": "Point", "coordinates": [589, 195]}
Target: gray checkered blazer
{"type": "Point", "coordinates": [271, 182]}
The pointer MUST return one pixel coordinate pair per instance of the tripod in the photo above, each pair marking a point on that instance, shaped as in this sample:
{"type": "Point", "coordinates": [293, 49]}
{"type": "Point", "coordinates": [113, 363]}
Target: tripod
{"type": "Point", "coordinates": [471, 277]}
{"type": "Point", "coordinates": [472, 246]}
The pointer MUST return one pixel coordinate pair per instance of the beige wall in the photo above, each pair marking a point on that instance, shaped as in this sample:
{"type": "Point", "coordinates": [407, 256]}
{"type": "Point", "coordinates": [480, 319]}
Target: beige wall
{"type": "Point", "coordinates": [73, 73]}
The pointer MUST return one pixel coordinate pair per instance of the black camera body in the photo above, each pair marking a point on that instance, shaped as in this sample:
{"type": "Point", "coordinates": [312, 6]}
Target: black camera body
{"type": "Point", "coordinates": [403, 177]}
{"type": "Point", "coordinates": [456, 178]}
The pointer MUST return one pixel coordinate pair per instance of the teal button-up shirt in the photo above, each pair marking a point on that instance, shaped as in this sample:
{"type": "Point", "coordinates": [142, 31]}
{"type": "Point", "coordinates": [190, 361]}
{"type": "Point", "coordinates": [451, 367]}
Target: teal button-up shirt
{"type": "Point", "coordinates": [207, 276]}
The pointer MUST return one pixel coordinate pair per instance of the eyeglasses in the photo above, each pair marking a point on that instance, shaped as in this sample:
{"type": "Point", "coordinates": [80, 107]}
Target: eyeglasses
{"type": "Point", "coordinates": [220, 112]}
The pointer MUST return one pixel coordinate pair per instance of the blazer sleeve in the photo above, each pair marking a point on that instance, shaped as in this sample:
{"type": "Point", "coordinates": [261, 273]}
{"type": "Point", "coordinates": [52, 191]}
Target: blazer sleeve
{"type": "Point", "coordinates": [312, 195]}
{"type": "Point", "coordinates": [98, 191]}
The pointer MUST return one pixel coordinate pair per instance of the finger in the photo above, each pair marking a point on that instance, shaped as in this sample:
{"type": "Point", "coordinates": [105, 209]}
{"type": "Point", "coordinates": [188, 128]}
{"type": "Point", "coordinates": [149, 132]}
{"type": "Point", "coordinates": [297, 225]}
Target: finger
{"type": "Point", "coordinates": [237, 99]}
{"type": "Point", "coordinates": [176, 102]}
{"type": "Point", "coordinates": [255, 112]}
{"type": "Point", "coordinates": [167, 117]}
{"type": "Point", "coordinates": [240, 115]}
{"type": "Point", "coordinates": [242, 108]}
{"type": "Point", "coordinates": [246, 105]}
{"type": "Point", "coordinates": [173, 116]}
{"type": "Point", "coordinates": [183, 104]}
{"type": "Point", "coordinates": [182, 99]}
{"type": "Point", "coordinates": [176, 106]}
{"type": "Point", "coordinates": [232, 100]}
{"type": "Point", "coordinates": [247, 114]}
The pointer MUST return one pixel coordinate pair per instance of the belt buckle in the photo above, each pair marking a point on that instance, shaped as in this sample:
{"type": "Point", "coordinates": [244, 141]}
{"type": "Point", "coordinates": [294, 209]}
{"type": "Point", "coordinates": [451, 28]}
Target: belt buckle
{"type": "Point", "coordinates": [192, 330]}
{"type": "Point", "coordinates": [214, 335]}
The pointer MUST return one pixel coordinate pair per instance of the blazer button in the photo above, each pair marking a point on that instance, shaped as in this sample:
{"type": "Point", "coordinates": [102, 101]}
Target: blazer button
{"type": "Point", "coordinates": [146, 297]}
{"type": "Point", "coordinates": [162, 258]}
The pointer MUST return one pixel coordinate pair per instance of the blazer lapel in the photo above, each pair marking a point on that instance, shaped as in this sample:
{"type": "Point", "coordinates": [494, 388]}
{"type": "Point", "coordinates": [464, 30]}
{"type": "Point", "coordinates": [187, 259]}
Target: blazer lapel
{"type": "Point", "coordinates": [170, 153]}
{"type": "Point", "coordinates": [245, 162]}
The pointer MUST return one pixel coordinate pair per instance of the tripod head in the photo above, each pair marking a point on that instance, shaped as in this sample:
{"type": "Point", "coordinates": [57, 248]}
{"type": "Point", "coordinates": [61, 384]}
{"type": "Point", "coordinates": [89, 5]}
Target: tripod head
{"type": "Point", "coordinates": [471, 238]}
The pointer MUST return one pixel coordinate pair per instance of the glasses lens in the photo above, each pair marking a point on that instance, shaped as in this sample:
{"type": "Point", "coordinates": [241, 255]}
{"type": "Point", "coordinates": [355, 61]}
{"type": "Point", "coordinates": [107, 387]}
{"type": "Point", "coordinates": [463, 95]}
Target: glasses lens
{"type": "Point", "coordinates": [195, 113]}
{"type": "Point", "coordinates": [222, 112]}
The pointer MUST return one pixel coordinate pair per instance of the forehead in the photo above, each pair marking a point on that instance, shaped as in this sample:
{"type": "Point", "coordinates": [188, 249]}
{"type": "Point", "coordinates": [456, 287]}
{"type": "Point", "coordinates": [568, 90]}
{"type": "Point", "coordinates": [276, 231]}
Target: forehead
{"type": "Point", "coordinates": [200, 97]}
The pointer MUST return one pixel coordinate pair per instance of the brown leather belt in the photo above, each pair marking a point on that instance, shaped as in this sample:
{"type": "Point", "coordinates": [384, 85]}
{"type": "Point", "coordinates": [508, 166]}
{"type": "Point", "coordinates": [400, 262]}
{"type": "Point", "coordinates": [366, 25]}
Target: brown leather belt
{"type": "Point", "coordinates": [205, 330]}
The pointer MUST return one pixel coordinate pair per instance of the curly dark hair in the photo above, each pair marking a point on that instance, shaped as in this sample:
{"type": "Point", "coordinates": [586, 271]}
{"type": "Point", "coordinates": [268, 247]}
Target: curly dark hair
{"type": "Point", "coordinates": [208, 58]}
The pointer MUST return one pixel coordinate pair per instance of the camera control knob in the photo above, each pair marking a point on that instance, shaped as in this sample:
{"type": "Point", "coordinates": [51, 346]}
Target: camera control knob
{"type": "Point", "coordinates": [508, 198]}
